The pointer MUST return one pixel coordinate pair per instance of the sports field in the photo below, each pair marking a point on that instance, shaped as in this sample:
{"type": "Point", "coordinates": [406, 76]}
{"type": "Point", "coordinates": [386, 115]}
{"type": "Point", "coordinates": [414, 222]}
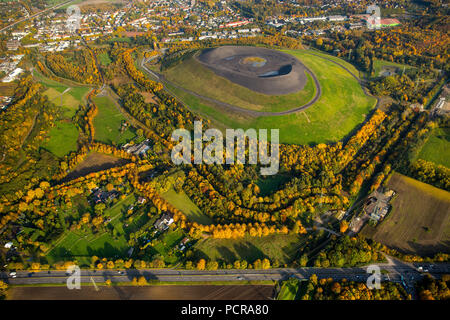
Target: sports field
{"type": "Point", "coordinates": [341, 107]}
{"type": "Point", "coordinates": [419, 221]}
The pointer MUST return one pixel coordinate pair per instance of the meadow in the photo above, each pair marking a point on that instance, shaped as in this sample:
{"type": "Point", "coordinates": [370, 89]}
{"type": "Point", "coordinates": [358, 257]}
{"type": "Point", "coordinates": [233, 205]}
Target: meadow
{"type": "Point", "coordinates": [182, 202]}
{"type": "Point", "coordinates": [62, 139]}
{"type": "Point", "coordinates": [437, 148]}
{"type": "Point", "coordinates": [108, 122]}
{"type": "Point", "coordinates": [282, 248]}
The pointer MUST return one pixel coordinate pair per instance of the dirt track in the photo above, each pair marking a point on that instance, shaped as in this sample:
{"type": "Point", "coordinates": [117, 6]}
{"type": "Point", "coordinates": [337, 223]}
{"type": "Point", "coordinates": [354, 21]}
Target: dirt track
{"type": "Point", "coordinates": [175, 292]}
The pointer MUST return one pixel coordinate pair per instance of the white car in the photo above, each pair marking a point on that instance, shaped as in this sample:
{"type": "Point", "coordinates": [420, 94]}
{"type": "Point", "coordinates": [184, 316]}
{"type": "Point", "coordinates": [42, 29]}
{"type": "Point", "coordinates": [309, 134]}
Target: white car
{"type": "Point", "coordinates": [13, 274]}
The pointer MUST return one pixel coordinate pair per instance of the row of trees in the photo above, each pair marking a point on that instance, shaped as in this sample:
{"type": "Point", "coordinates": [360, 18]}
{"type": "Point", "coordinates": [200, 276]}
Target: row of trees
{"type": "Point", "coordinates": [328, 289]}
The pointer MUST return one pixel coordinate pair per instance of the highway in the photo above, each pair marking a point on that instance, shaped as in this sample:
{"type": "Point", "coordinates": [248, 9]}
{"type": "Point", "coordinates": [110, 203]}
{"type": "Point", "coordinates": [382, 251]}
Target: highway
{"type": "Point", "coordinates": [393, 270]}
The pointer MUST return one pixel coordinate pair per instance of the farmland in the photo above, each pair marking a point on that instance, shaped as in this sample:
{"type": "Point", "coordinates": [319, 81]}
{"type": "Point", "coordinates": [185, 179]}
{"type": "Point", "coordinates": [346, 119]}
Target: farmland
{"type": "Point", "coordinates": [159, 292]}
{"type": "Point", "coordinates": [420, 227]}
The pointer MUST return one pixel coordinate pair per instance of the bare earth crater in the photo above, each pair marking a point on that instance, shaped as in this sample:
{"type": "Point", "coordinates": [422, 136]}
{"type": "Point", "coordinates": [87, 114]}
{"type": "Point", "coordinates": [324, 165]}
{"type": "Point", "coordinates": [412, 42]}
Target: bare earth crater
{"type": "Point", "coordinates": [262, 70]}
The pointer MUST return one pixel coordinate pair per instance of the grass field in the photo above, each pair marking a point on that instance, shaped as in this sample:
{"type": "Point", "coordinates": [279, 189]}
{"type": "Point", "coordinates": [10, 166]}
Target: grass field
{"type": "Point", "coordinates": [108, 121]}
{"type": "Point", "coordinates": [104, 58]}
{"type": "Point", "coordinates": [182, 202]}
{"type": "Point", "coordinates": [63, 139]}
{"type": "Point", "coordinates": [81, 245]}
{"type": "Point", "coordinates": [342, 106]}
{"type": "Point", "coordinates": [65, 100]}
{"type": "Point", "coordinates": [49, 83]}
{"type": "Point", "coordinates": [289, 289]}
{"type": "Point", "coordinates": [419, 221]}
{"type": "Point", "coordinates": [169, 239]}
{"type": "Point", "coordinates": [437, 148]}
{"type": "Point", "coordinates": [274, 247]}
{"type": "Point", "coordinates": [378, 66]}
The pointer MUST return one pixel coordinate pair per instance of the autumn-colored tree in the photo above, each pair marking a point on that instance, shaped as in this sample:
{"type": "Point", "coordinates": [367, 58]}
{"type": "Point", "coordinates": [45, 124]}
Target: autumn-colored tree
{"type": "Point", "coordinates": [201, 264]}
{"type": "Point", "coordinates": [343, 226]}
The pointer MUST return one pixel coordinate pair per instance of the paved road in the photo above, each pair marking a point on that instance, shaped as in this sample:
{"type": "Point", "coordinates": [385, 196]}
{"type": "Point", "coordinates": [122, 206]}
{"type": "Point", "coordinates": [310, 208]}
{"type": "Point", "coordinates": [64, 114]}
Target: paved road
{"type": "Point", "coordinates": [395, 269]}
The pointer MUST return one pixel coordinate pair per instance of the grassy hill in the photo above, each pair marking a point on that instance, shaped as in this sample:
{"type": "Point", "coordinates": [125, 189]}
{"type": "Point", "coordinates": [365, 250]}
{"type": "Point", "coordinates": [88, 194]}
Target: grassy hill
{"type": "Point", "coordinates": [200, 79]}
{"type": "Point", "coordinates": [342, 106]}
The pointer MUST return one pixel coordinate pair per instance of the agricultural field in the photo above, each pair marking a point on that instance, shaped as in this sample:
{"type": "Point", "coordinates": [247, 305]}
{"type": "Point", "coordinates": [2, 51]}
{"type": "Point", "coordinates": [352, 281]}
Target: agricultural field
{"type": "Point", "coordinates": [108, 123]}
{"type": "Point", "coordinates": [274, 247]}
{"type": "Point", "coordinates": [182, 202]}
{"type": "Point", "coordinates": [437, 148]}
{"type": "Point", "coordinates": [157, 292]}
{"type": "Point", "coordinates": [415, 226]}
{"type": "Point", "coordinates": [340, 109]}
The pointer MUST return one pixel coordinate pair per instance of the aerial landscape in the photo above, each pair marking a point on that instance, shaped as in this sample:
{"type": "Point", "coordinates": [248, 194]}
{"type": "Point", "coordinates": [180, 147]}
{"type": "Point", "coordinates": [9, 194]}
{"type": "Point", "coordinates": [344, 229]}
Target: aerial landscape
{"type": "Point", "coordinates": [224, 150]}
